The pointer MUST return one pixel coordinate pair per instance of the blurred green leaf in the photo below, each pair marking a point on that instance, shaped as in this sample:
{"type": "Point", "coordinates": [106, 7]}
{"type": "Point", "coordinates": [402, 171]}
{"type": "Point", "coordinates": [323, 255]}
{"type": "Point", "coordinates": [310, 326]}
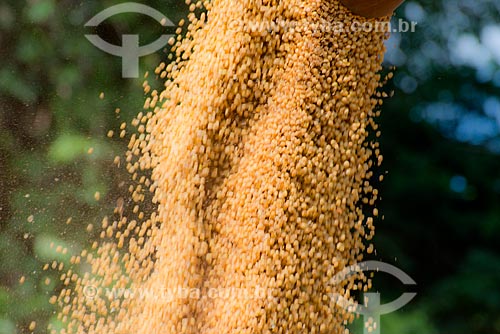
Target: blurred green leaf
{"type": "Point", "coordinates": [15, 85]}
{"type": "Point", "coordinates": [32, 48]}
{"type": "Point", "coordinates": [401, 322]}
{"type": "Point", "coordinates": [41, 10]}
{"type": "Point", "coordinates": [6, 16]}
{"type": "Point", "coordinates": [56, 324]}
{"type": "Point", "coordinates": [46, 248]}
{"type": "Point", "coordinates": [4, 300]}
{"type": "Point", "coordinates": [68, 147]}
{"type": "Point", "coordinates": [7, 326]}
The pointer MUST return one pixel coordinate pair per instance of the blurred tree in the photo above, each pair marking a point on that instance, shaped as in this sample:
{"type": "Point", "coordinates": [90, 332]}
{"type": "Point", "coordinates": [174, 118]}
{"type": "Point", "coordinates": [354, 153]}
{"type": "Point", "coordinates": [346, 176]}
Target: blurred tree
{"type": "Point", "coordinates": [440, 138]}
{"type": "Point", "coordinates": [51, 118]}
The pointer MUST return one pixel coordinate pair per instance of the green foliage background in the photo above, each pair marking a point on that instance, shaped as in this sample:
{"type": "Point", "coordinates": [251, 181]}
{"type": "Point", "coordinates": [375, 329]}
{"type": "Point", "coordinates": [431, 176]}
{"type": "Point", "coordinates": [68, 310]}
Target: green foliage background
{"type": "Point", "coordinates": [440, 197]}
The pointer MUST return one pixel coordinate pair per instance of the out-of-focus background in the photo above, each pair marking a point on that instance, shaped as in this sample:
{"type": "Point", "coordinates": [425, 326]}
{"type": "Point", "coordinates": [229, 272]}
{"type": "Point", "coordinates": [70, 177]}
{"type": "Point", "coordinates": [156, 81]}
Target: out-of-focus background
{"type": "Point", "coordinates": [440, 139]}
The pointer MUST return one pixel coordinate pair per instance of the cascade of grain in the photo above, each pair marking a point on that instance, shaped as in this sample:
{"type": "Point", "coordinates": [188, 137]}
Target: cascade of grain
{"type": "Point", "coordinates": [259, 169]}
